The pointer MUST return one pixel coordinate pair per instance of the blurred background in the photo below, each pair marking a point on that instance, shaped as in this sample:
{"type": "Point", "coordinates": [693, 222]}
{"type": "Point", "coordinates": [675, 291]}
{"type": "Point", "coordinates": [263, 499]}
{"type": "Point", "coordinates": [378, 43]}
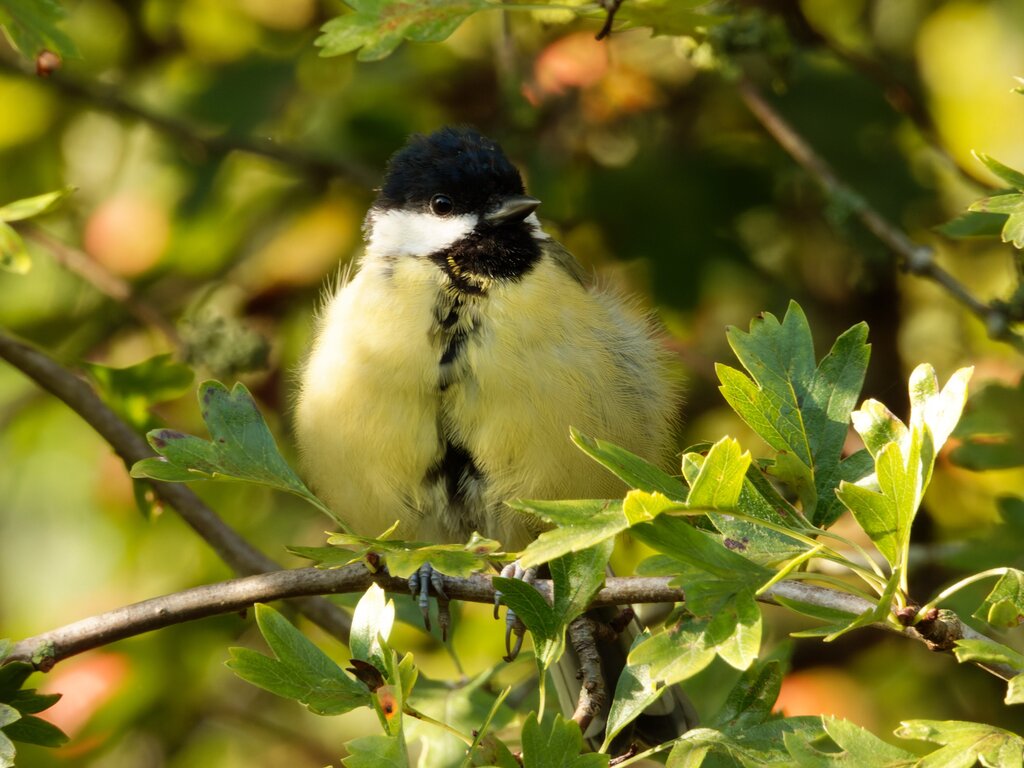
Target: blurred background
{"type": "Point", "coordinates": [222, 169]}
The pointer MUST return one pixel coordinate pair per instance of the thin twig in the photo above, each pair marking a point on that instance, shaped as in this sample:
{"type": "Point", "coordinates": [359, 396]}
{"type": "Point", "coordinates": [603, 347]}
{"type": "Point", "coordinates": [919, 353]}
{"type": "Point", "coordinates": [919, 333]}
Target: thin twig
{"type": "Point", "coordinates": [241, 556]}
{"type": "Point", "coordinates": [103, 280]}
{"type": "Point", "coordinates": [611, 7]}
{"type": "Point", "coordinates": [915, 258]}
{"type": "Point", "coordinates": [208, 141]}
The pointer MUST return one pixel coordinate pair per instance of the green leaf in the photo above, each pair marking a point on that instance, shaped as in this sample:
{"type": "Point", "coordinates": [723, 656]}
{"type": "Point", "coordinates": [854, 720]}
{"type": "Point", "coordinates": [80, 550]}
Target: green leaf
{"type": "Point", "coordinates": [973, 224]}
{"type": "Point", "coordinates": [7, 752]}
{"type": "Point", "coordinates": [30, 729]}
{"type": "Point", "coordinates": [1013, 230]}
{"type": "Point", "coordinates": [13, 256]}
{"type": "Point", "coordinates": [577, 577]}
{"type": "Point", "coordinates": [630, 468]}
{"type": "Point", "coordinates": [29, 207]}
{"type": "Point", "coordinates": [801, 410]}
{"type": "Point", "coordinates": [1015, 690]}
{"type": "Point", "coordinates": [405, 557]}
{"type": "Point", "coordinates": [750, 701]}
{"type": "Point", "coordinates": [760, 745]}
{"type": "Point", "coordinates": [31, 25]}
{"type": "Point", "coordinates": [667, 17]}
{"type": "Point", "coordinates": [1003, 203]}
{"type": "Point", "coordinates": [8, 715]}
{"type": "Point", "coordinates": [28, 702]}
{"type": "Point", "coordinates": [467, 706]}
{"type": "Point", "coordinates": [241, 448]}
{"type": "Point", "coordinates": [674, 655]}
{"type": "Point", "coordinates": [735, 630]}
{"type": "Point", "coordinates": [720, 480]}
{"type": "Point", "coordinates": [378, 27]}
{"type": "Point", "coordinates": [814, 611]}
{"type": "Point", "coordinates": [635, 690]}
{"type": "Point", "coordinates": [377, 751]}
{"type": "Point", "coordinates": [12, 677]}
{"type": "Point", "coordinates": [991, 432]}
{"type": "Point", "coordinates": [539, 617]}
{"type": "Point", "coordinates": [582, 524]}
{"type": "Point", "coordinates": [858, 747]}
{"type": "Point", "coordinates": [556, 744]}
{"type": "Point", "coordinates": [1004, 606]}
{"type": "Point", "coordinates": [964, 743]}
{"type": "Point", "coordinates": [133, 390]}
{"type": "Point", "coordinates": [1014, 178]}
{"type": "Point", "coordinates": [987, 650]}
{"type": "Point", "coordinates": [299, 671]}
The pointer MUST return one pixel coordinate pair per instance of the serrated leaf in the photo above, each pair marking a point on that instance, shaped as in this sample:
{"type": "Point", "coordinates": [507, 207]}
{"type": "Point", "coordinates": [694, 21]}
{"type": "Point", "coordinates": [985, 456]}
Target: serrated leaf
{"type": "Point", "coordinates": [378, 27]}
{"type": "Point", "coordinates": [577, 577]}
{"type": "Point", "coordinates": [13, 256]}
{"type": "Point", "coordinates": [858, 747]}
{"type": "Point", "coordinates": [1013, 230]}
{"type": "Point", "coordinates": [719, 482]}
{"type": "Point", "coordinates": [799, 409]}
{"type": "Point", "coordinates": [556, 744]}
{"type": "Point", "coordinates": [1015, 690]}
{"type": "Point", "coordinates": [32, 26]}
{"type": "Point", "coordinates": [735, 630]}
{"type": "Point", "coordinates": [987, 650]}
{"type": "Point", "coordinates": [29, 207]}
{"type": "Point", "coordinates": [241, 447]}
{"type": "Point", "coordinates": [630, 468]}
{"type": "Point", "coordinates": [964, 743]}
{"type": "Point", "coordinates": [299, 670]}
{"type": "Point", "coordinates": [1004, 606]}
{"type": "Point", "coordinates": [376, 751]}
{"type": "Point", "coordinates": [539, 617]}
{"type": "Point", "coordinates": [1014, 178]}
{"type": "Point", "coordinates": [760, 745]}
{"type": "Point", "coordinates": [582, 524]}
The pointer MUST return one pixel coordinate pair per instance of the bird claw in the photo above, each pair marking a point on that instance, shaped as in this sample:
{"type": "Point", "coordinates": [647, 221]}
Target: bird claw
{"type": "Point", "coordinates": [513, 624]}
{"type": "Point", "coordinates": [420, 584]}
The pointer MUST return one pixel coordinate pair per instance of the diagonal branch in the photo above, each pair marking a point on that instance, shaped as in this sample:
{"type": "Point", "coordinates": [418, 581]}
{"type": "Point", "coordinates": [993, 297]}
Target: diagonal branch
{"type": "Point", "coordinates": [207, 141]}
{"type": "Point", "coordinates": [914, 258]}
{"type": "Point", "coordinates": [241, 556]}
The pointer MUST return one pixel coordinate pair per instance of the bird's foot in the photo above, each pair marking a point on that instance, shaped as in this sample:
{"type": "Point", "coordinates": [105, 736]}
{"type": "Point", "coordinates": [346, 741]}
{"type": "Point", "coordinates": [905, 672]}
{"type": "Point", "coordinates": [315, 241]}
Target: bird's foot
{"type": "Point", "coordinates": [420, 583]}
{"type": "Point", "coordinates": [513, 624]}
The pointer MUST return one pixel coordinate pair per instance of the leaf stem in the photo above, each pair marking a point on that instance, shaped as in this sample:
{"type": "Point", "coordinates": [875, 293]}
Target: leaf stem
{"type": "Point", "coordinates": [789, 568]}
{"type": "Point", "coordinates": [838, 583]}
{"type": "Point", "coordinates": [954, 588]}
{"type": "Point", "coordinates": [412, 712]}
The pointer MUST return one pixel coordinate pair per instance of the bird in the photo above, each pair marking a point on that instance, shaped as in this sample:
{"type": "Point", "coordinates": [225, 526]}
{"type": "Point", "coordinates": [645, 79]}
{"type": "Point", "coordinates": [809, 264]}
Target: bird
{"type": "Point", "coordinates": [447, 368]}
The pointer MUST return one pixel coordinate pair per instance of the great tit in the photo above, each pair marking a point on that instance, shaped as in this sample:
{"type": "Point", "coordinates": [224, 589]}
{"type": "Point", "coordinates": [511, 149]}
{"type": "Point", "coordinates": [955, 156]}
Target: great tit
{"type": "Point", "coordinates": [447, 370]}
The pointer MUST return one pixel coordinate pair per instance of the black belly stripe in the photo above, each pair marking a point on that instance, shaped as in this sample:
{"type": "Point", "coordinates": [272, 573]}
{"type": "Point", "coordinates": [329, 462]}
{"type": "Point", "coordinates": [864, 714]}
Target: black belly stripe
{"type": "Point", "coordinates": [455, 469]}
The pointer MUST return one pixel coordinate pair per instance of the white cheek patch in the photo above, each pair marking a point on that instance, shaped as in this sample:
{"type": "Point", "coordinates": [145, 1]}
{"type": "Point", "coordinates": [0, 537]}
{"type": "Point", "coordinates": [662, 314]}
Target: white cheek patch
{"type": "Point", "coordinates": [537, 232]}
{"type": "Point", "coordinates": [408, 233]}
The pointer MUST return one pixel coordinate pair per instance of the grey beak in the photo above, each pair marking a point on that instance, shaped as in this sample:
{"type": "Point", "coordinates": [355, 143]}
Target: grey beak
{"type": "Point", "coordinates": [513, 208]}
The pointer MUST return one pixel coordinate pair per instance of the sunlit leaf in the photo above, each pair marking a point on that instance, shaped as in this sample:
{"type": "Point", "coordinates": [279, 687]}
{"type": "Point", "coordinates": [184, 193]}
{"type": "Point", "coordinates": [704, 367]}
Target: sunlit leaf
{"type": "Point", "coordinates": [582, 524]}
{"type": "Point", "coordinates": [28, 207]}
{"type": "Point", "coordinates": [674, 655]}
{"type": "Point", "coordinates": [372, 621]}
{"type": "Point", "coordinates": [858, 748]}
{"type": "Point", "coordinates": [760, 745]}
{"type": "Point", "coordinates": [378, 27]}
{"type": "Point", "coordinates": [376, 751]}
{"type": "Point", "coordinates": [629, 467]}
{"type": "Point", "coordinates": [556, 744]}
{"type": "Point", "coordinates": [1004, 606]}
{"type": "Point", "coordinates": [1014, 178]}
{"type": "Point", "coordinates": [799, 409]}
{"type": "Point", "coordinates": [299, 671]}
{"type": "Point", "coordinates": [964, 743]}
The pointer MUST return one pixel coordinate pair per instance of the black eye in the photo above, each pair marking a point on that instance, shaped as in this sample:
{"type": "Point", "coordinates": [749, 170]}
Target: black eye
{"type": "Point", "coordinates": [441, 205]}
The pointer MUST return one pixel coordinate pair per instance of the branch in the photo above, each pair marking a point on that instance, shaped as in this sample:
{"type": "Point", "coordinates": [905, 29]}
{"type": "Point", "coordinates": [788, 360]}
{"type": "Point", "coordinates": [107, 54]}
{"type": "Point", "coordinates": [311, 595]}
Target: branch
{"type": "Point", "coordinates": [241, 556]}
{"type": "Point", "coordinates": [207, 141]}
{"type": "Point", "coordinates": [593, 692]}
{"type": "Point", "coordinates": [45, 650]}
{"type": "Point", "coordinates": [914, 258]}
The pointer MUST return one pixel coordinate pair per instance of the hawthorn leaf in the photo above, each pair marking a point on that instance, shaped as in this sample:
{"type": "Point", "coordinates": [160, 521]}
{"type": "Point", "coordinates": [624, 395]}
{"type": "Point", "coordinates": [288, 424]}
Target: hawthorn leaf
{"type": "Point", "coordinates": [1004, 606]}
{"type": "Point", "coordinates": [674, 655]}
{"type": "Point", "coordinates": [630, 468]}
{"type": "Point", "coordinates": [299, 670]}
{"type": "Point", "coordinates": [582, 524]}
{"type": "Point", "coordinates": [577, 577]}
{"type": "Point", "coordinates": [377, 751]}
{"type": "Point", "coordinates": [30, 207]}
{"type": "Point", "coordinates": [31, 25]}
{"type": "Point", "coordinates": [760, 745]}
{"type": "Point", "coordinates": [751, 699]}
{"type": "Point", "coordinates": [859, 748]}
{"type": "Point", "coordinates": [635, 690]}
{"type": "Point", "coordinates": [1014, 178]}
{"type": "Point", "coordinates": [964, 743]}
{"type": "Point", "coordinates": [241, 447]}
{"type": "Point", "coordinates": [372, 621]}
{"type": "Point", "coordinates": [13, 255]}
{"type": "Point", "coordinates": [377, 27]}
{"type": "Point", "coordinates": [556, 744]}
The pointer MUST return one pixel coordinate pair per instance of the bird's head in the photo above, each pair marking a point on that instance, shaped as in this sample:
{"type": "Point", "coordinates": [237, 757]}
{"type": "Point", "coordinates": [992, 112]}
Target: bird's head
{"type": "Point", "coordinates": [454, 198]}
